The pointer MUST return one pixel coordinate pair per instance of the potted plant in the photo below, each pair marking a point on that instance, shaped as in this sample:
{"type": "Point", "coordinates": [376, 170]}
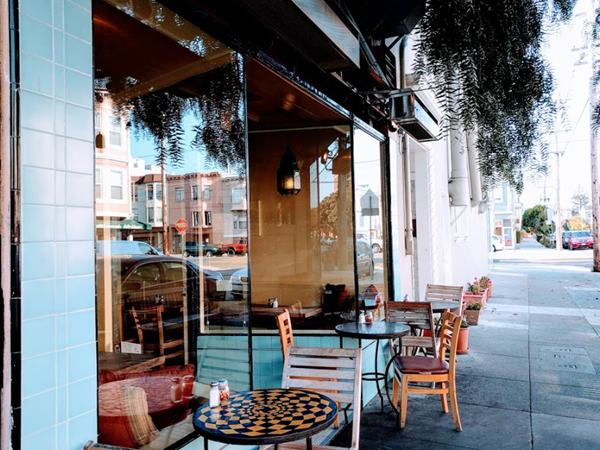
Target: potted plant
{"type": "Point", "coordinates": [472, 313]}
{"type": "Point", "coordinates": [474, 293]}
{"type": "Point", "coordinates": [463, 338]}
{"type": "Point", "coordinates": [485, 282]}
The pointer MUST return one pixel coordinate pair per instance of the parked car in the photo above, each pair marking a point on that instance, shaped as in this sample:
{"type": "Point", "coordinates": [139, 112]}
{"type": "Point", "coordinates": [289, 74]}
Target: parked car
{"type": "Point", "coordinates": [192, 248]}
{"type": "Point", "coordinates": [143, 278]}
{"type": "Point", "coordinates": [497, 243]}
{"type": "Point", "coordinates": [125, 248]}
{"type": "Point", "coordinates": [238, 247]}
{"type": "Point", "coordinates": [364, 259]}
{"type": "Point", "coordinates": [376, 244]}
{"type": "Point", "coordinates": [239, 283]}
{"type": "Point", "coordinates": [580, 239]}
{"type": "Point", "coordinates": [565, 238]}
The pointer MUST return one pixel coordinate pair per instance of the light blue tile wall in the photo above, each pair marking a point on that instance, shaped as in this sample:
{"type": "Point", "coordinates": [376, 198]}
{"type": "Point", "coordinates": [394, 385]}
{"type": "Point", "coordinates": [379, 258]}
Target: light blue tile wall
{"type": "Point", "coordinates": [59, 406]}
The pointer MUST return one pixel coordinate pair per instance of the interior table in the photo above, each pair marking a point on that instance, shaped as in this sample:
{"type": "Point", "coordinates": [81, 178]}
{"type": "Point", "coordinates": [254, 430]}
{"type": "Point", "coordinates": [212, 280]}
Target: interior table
{"type": "Point", "coordinates": [268, 416]}
{"type": "Point", "coordinates": [439, 307]}
{"type": "Point", "coordinates": [376, 331]}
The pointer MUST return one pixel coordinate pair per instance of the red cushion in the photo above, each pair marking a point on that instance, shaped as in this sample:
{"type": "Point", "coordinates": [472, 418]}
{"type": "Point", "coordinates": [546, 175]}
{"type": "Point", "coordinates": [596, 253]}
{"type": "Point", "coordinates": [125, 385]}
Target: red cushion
{"type": "Point", "coordinates": [420, 364]}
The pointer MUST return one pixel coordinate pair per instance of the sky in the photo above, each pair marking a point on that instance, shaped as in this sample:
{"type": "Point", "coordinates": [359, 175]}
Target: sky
{"type": "Point", "coordinates": [569, 58]}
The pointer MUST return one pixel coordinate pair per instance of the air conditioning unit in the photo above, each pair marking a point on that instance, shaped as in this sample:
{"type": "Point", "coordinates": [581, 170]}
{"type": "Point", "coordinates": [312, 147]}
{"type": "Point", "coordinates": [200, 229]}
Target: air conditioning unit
{"type": "Point", "coordinates": [410, 113]}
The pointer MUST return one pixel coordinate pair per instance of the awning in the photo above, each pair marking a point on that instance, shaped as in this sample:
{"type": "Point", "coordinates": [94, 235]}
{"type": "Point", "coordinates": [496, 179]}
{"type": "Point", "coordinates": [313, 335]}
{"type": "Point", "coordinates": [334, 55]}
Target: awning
{"type": "Point", "coordinates": [127, 224]}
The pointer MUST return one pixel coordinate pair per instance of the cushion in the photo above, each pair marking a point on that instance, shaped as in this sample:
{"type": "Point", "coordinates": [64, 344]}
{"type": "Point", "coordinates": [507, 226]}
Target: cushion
{"type": "Point", "coordinates": [173, 371]}
{"type": "Point", "coordinates": [420, 364]}
{"type": "Point", "coordinates": [123, 416]}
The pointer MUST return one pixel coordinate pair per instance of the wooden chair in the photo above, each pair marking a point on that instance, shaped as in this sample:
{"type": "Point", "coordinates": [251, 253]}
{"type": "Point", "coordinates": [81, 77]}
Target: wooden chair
{"type": "Point", "coordinates": [445, 292]}
{"type": "Point", "coordinates": [152, 334]}
{"type": "Point", "coordinates": [440, 371]}
{"type": "Point", "coordinates": [336, 372]}
{"type": "Point", "coordinates": [284, 324]}
{"type": "Point", "coordinates": [419, 316]}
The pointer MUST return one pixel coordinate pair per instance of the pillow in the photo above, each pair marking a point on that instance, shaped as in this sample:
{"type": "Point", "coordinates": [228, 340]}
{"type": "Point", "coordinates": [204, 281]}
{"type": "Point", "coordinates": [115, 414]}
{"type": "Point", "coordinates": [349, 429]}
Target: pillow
{"type": "Point", "coordinates": [123, 418]}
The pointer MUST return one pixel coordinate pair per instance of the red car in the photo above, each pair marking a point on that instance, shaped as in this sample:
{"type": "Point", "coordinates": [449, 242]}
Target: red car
{"type": "Point", "coordinates": [580, 239]}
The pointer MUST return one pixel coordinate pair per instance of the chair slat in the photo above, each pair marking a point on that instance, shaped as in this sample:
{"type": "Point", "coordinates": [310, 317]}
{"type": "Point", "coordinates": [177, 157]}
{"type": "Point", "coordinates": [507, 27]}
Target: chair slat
{"type": "Point", "coordinates": [320, 362]}
{"type": "Point", "coordinates": [320, 373]}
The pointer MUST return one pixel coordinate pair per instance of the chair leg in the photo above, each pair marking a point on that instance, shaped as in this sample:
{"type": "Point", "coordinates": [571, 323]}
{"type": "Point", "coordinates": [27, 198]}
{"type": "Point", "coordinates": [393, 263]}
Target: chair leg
{"type": "Point", "coordinates": [443, 398]}
{"type": "Point", "coordinates": [403, 402]}
{"type": "Point", "coordinates": [454, 405]}
{"type": "Point", "coordinates": [395, 391]}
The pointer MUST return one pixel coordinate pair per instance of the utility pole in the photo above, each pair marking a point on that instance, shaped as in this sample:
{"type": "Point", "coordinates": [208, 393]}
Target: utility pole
{"type": "Point", "coordinates": [594, 151]}
{"type": "Point", "coordinates": [558, 231]}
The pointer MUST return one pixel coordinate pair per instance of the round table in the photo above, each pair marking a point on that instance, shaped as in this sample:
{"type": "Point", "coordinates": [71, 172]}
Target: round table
{"type": "Point", "coordinates": [439, 306]}
{"type": "Point", "coordinates": [268, 416]}
{"type": "Point", "coordinates": [376, 331]}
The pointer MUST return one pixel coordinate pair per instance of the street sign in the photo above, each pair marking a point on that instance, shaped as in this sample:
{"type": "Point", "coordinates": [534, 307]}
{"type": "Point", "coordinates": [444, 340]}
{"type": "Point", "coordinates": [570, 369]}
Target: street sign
{"type": "Point", "coordinates": [181, 225]}
{"type": "Point", "coordinates": [369, 204]}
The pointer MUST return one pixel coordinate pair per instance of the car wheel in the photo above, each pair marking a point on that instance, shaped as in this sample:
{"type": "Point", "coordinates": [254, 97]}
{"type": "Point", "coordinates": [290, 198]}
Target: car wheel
{"type": "Point", "coordinates": [376, 248]}
{"type": "Point", "coordinates": [186, 253]}
{"type": "Point", "coordinates": [231, 252]}
{"type": "Point", "coordinates": [494, 248]}
{"type": "Point", "coordinates": [238, 296]}
{"type": "Point", "coordinates": [209, 253]}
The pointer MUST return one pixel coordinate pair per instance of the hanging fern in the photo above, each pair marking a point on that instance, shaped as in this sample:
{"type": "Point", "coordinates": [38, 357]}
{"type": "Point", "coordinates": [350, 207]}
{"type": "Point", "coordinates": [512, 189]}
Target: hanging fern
{"type": "Point", "coordinates": [483, 61]}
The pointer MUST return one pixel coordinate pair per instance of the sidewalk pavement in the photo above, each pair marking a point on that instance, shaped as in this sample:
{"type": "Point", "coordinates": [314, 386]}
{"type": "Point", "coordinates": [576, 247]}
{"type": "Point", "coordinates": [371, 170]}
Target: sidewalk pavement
{"type": "Point", "coordinates": [531, 379]}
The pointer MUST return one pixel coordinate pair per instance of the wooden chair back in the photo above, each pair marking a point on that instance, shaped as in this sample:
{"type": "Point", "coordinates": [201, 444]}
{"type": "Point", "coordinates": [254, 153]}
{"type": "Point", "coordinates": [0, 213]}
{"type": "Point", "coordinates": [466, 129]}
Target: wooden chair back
{"type": "Point", "coordinates": [151, 332]}
{"type": "Point", "coordinates": [284, 324]}
{"type": "Point", "coordinates": [419, 316]}
{"type": "Point", "coordinates": [445, 292]}
{"type": "Point", "coordinates": [336, 372]}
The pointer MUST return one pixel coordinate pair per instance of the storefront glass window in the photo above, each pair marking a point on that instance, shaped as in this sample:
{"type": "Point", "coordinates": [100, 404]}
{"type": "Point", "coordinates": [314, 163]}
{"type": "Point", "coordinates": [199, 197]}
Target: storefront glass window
{"type": "Point", "coordinates": [166, 304]}
{"type": "Point", "coordinates": [368, 213]}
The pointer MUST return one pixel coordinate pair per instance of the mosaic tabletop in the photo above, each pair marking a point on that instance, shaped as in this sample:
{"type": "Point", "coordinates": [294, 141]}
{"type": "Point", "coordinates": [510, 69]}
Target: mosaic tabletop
{"type": "Point", "coordinates": [267, 416]}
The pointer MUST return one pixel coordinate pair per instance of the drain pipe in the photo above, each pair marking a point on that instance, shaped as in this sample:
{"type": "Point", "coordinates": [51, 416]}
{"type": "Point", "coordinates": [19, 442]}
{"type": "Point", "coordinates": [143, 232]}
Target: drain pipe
{"type": "Point", "coordinates": [408, 228]}
{"type": "Point", "coordinates": [474, 173]}
{"type": "Point", "coordinates": [458, 186]}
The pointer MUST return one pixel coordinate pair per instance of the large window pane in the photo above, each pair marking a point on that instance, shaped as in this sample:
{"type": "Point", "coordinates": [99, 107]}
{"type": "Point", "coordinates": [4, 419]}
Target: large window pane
{"type": "Point", "coordinates": [158, 263]}
{"type": "Point", "coordinates": [368, 213]}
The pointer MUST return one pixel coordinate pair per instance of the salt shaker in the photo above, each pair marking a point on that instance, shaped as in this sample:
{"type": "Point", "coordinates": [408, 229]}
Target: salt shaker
{"type": "Point", "coordinates": [369, 317]}
{"type": "Point", "coordinates": [223, 390]}
{"type": "Point", "coordinates": [361, 317]}
{"type": "Point", "coordinates": [176, 390]}
{"type": "Point", "coordinates": [213, 396]}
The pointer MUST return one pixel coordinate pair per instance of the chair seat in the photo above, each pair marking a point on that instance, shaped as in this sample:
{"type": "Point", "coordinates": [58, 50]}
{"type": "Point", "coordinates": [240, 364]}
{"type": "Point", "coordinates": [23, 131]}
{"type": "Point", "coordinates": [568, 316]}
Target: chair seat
{"type": "Point", "coordinates": [420, 364]}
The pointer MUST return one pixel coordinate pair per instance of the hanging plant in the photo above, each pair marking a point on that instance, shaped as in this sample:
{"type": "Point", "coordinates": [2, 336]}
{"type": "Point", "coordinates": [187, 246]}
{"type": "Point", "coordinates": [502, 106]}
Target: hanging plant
{"type": "Point", "coordinates": [483, 61]}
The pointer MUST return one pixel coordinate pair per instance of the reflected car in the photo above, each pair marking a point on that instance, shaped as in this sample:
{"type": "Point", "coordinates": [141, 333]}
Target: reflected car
{"type": "Point", "coordinates": [497, 243]}
{"type": "Point", "coordinates": [376, 244]}
{"type": "Point", "coordinates": [125, 248]}
{"type": "Point", "coordinates": [364, 259]}
{"type": "Point", "coordinates": [142, 279]}
{"type": "Point", "coordinates": [580, 239]}
{"type": "Point", "coordinates": [192, 248]}
{"type": "Point", "coordinates": [239, 283]}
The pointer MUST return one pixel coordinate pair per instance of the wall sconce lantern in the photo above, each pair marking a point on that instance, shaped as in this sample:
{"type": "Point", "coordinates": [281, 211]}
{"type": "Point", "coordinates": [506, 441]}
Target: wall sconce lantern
{"type": "Point", "coordinates": [288, 173]}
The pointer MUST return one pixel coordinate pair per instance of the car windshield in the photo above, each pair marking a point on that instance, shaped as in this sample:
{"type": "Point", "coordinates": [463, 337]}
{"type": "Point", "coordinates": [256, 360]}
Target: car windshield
{"type": "Point", "coordinates": [580, 234]}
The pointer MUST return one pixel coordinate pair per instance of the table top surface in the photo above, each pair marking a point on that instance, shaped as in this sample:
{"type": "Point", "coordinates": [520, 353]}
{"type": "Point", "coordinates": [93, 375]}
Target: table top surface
{"type": "Point", "coordinates": [375, 330]}
{"type": "Point", "coordinates": [268, 416]}
{"type": "Point", "coordinates": [439, 306]}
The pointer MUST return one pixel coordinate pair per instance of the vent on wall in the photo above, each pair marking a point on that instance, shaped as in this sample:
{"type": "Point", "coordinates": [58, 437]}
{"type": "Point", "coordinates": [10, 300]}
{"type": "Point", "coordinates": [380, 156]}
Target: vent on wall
{"type": "Point", "coordinates": [409, 113]}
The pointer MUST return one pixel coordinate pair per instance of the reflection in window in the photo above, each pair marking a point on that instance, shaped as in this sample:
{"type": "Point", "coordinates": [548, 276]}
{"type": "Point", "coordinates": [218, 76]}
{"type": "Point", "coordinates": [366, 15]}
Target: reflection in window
{"type": "Point", "coordinates": [238, 195]}
{"type": "Point", "coordinates": [368, 212]}
{"type": "Point", "coordinates": [240, 221]}
{"type": "Point", "coordinates": [98, 187]}
{"type": "Point", "coordinates": [170, 111]}
{"type": "Point", "coordinates": [116, 185]}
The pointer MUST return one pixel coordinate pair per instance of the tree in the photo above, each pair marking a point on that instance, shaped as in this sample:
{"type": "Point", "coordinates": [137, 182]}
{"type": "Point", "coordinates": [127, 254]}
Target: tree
{"type": "Point", "coordinates": [535, 221]}
{"type": "Point", "coordinates": [580, 200]}
{"type": "Point", "coordinates": [485, 58]}
{"type": "Point", "coordinates": [577, 223]}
